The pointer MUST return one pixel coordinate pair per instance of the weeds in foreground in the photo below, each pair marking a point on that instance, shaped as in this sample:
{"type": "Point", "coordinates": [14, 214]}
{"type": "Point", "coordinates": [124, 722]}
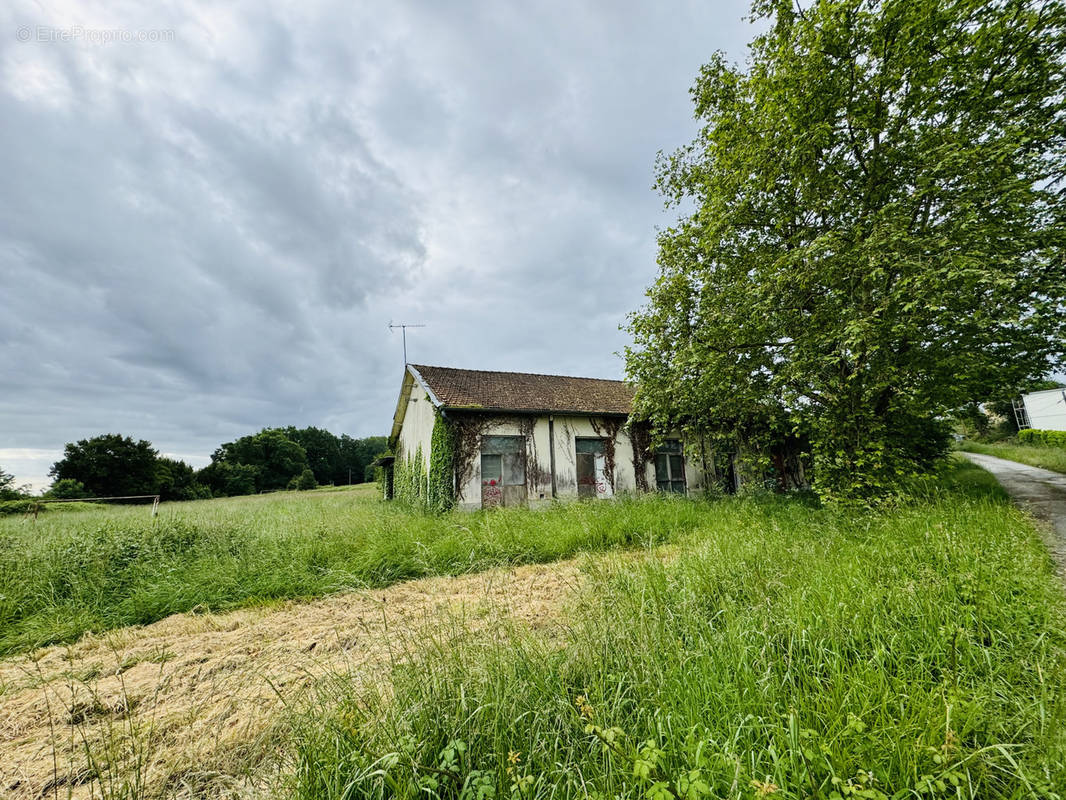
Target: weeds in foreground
{"type": "Point", "coordinates": [791, 653]}
{"type": "Point", "coordinates": [104, 569]}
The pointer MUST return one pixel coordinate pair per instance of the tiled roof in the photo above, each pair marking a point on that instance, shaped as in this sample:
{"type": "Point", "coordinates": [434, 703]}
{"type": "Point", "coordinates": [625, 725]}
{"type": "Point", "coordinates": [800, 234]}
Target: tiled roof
{"type": "Point", "coordinates": [522, 391]}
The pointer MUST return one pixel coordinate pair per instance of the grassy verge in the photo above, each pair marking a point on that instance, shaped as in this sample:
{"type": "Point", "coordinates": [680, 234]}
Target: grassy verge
{"type": "Point", "coordinates": [781, 651]}
{"type": "Point", "coordinates": [104, 568]}
{"type": "Point", "coordinates": [1046, 457]}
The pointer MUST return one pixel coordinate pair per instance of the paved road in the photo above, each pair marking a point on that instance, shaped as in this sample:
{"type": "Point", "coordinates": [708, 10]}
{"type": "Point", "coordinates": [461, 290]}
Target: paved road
{"type": "Point", "coordinates": [1040, 491]}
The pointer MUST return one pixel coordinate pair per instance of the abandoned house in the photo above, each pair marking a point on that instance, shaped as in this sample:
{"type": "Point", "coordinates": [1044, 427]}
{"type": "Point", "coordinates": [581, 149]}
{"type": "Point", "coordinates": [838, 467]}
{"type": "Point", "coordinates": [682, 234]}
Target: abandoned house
{"type": "Point", "coordinates": [524, 439]}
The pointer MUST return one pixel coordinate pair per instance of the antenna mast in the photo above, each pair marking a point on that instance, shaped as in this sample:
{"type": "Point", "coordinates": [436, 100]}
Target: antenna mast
{"type": "Point", "coordinates": [403, 326]}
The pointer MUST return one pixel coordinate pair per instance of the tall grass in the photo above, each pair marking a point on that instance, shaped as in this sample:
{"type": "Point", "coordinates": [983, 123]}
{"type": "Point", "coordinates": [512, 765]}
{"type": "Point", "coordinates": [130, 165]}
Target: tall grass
{"type": "Point", "coordinates": [71, 573]}
{"type": "Point", "coordinates": [780, 650]}
{"type": "Point", "coordinates": [1042, 456]}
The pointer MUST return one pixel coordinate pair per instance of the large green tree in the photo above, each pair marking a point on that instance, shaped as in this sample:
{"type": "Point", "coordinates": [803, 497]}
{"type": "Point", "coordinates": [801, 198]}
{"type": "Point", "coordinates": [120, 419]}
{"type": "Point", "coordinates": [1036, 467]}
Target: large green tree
{"type": "Point", "coordinates": [225, 479]}
{"type": "Point", "coordinates": [111, 465]}
{"type": "Point", "coordinates": [872, 234]}
{"type": "Point", "coordinates": [176, 480]}
{"type": "Point", "coordinates": [275, 457]}
{"type": "Point", "coordinates": [323, 452]}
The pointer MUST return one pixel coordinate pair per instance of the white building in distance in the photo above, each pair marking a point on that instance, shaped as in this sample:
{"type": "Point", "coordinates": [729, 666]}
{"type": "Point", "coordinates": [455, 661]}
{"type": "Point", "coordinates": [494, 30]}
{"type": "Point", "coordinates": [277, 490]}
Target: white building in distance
{"type": "Point", "coordinates": [1046, 410]}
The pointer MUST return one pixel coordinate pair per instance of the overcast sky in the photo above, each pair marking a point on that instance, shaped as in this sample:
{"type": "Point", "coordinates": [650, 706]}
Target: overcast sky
{"type": "Point", "coordinates": [208, 216]}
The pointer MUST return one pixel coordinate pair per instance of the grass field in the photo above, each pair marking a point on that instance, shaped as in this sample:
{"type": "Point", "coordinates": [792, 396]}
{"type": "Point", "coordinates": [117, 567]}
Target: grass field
{"type": "Point", "coordinates": [771, 648]}
{"type": "Point", "coordinates": [1045, 457]}
{"type": "Point", "coordinates": [69, 573]}
{"type": "Point", "coordinates": [785, 651]}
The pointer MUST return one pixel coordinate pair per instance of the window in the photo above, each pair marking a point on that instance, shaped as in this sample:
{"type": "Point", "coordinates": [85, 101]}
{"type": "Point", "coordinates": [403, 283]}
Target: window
{"type": "Point", "coordinates": [491, 468]}
{"type": "Point", "coordinates": [503, 459]}
{"type": "Point", "coordinates": [503, 470]}
{"type": "Point", "coordinates": [670, 467]}
{"type": "Point", "coordinates": [592, 477]}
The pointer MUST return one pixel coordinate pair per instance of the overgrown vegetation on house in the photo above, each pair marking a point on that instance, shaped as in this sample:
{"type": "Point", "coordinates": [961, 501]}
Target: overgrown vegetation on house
{"type": "Point", "coordinates": [872, 232]}
{"type": "Point", "coordinates": [410, 483]}
{"type": "Point", "coordinates": [441, 490]}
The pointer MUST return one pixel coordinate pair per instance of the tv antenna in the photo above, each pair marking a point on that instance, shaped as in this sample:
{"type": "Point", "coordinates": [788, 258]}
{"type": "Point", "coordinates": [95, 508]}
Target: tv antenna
{"type": "Point", "coordinates": [403, 326]}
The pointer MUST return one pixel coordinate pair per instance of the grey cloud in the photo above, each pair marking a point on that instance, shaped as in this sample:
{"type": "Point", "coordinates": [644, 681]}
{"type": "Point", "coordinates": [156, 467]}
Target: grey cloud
{"type": "Point", "coordinates": [204, 237]}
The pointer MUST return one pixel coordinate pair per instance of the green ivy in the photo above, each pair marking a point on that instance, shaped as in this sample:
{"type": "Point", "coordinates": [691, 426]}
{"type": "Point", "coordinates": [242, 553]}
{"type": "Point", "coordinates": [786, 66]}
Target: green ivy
{"type": "Point", "coordinates": [409, 480]}
{"type": "Point", "coordinates": [436, 491]}
{"type": "Point", "coordinates": [441, 465]}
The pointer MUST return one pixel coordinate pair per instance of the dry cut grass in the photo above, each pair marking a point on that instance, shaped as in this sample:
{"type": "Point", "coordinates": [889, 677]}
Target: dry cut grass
{"type": "Point", "coordinates": [191, 705]}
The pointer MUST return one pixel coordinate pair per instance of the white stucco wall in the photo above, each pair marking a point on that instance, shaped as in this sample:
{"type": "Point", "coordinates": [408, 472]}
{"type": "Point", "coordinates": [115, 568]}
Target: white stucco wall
{"type": "Point", "coordinates": [1046, 410]}
{"type": "Point", "coordinates": [538, 476]}
{"type": "Point", "coordinates": [567, 429]}
{"type": "Point", "coordinates": [417, 430]}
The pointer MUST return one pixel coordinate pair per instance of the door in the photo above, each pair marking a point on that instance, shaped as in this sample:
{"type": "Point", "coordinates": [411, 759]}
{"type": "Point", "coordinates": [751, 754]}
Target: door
{"type": "Point", "coordinates": [503, 471]}
{"type": "Point", "coordinates": [593, 479]}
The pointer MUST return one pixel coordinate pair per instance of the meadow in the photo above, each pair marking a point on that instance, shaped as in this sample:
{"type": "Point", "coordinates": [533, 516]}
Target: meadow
{"type": "Point", "coordinates": [106, 567]}
{"type": "Point", "coordinates": [1042, 456]}
{"type": "Point", "coordinates": [742, 647]}
{"type": "Point", "coordinates": [784, 651]}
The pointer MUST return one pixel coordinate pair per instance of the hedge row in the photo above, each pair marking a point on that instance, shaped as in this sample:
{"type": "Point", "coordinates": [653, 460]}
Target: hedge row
{"type": "Point", "coordinates": [1048, 438]}
{"type": "Point", "coordinates": [18, 507]}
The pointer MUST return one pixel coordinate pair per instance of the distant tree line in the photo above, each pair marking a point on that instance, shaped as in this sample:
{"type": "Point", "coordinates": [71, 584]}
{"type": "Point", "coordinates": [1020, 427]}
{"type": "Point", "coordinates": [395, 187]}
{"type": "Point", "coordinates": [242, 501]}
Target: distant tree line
{"type": "Point", "coordinates": [113, 465]}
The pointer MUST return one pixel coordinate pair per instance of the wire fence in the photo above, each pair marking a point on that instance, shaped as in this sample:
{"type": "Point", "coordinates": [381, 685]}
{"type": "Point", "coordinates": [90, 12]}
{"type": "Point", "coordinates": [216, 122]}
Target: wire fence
{"type": "Point", "coordinates": [153, 497]}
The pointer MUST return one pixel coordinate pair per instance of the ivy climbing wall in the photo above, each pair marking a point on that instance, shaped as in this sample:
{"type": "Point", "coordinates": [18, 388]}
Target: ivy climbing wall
{"type": "Point", "coordinates": [438, 456]}
{"type": "Point", "coordinates": [619, 455]}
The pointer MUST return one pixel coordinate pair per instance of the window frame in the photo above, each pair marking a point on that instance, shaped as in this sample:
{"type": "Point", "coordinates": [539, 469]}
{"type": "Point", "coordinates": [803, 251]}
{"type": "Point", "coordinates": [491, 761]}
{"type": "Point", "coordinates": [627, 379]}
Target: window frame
{"type": "Point", "coordinates": [499, 450]}
{"type": "Point", "coordinates": [675, 483]}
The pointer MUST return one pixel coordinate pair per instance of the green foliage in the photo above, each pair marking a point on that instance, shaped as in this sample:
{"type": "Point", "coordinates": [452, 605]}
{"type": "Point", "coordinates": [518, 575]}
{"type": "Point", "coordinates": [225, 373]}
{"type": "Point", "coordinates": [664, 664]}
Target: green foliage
{"type": "Point", "coordinates": [877, 234]}
{"type": "Point", "coordinates": [779, 651]}
{"type": "Point", "coordinates": [67, 489]}
{"type": "Point", "coordinates": [176, 480]}
{"type": "Point", "coordinates": [432, 487]}
{"type": "Point", "coordinates": [110, 465]}
{"type": "Point", "coordinates": [1045, 438]}
{"type": "Point", "coordinates": [972, 420]}
{"type": "Point", "coordinates": [224, 479]}
{"type": "Point", "coordinates": [115, 466]}
{"type": "Point", "coordinates": [276, 458]}
{"type": "Point", "coordinates": [410, 480]}
{"type": "Point", "coordinates": [304, 481]}
{"type": "Point", "coordinates": [23, 506]}
{"type": "Point", "coordinates": [337, 460]}
{"type": "Point", "coordinates": [8, 490]}
{"type": "Point", "coordinates": [323, 451]}
{"type": "Point", "coordinates": [358, 453]}
{"type": "Point", "coordinates": [441, 488]}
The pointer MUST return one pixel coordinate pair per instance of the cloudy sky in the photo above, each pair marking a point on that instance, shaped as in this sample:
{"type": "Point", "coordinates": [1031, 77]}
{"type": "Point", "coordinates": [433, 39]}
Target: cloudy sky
{"type": "Point", "coordinates": [210, 213]}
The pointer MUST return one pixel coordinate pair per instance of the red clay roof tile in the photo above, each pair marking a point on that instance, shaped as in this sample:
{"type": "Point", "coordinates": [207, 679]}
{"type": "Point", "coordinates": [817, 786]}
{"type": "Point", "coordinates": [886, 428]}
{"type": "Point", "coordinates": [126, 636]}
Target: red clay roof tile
{"type": "Point", "coordinates": [522, 391]}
